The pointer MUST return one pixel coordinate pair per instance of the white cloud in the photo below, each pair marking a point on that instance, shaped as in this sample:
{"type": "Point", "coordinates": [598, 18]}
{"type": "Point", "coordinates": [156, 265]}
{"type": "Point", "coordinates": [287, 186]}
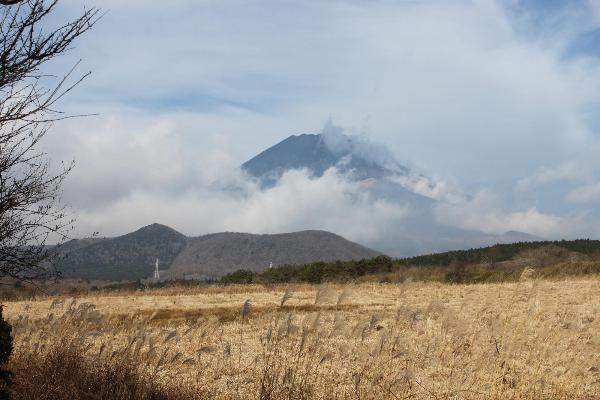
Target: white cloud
{"type": "Point", "coordinates": [190, 91]}
{"type": "Point", "coordinates": [585, 194]}
{"type": "Point", "coordinates": [567, 171]}
{"type": "Point", "coordinates": [296, 203]}
{"type": "Point", "coordinates": [430, 187]}
{"type": "Point", "coordinates": [134, 170]}
{"type": "Point", "coordinates": [484, 213]}
{"type": "Point", "coordinates": [450, 85]}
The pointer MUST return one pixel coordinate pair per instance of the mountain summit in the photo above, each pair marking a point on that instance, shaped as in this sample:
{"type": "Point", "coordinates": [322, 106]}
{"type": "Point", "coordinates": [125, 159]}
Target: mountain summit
{"type": "Point", "coordinates": [130, 256]}
{"type": "Point", "coordinates": [319, 152]}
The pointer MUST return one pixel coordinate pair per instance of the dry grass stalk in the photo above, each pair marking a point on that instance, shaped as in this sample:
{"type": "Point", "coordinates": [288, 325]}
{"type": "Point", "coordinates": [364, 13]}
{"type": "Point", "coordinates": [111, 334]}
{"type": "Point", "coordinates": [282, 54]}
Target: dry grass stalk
{"type": "Point", "coordinates": [325, 294]}
{"type": "Point", "coordinates": [246, 308]}
{"type": "Point", "coordinates": [286, 296]}
{"type": "Point", "coordinates": [344, 296]}
{"type": "Point", "coordinates": [527, 274]}
{"type": "Point", "coordinates": [469, 342]}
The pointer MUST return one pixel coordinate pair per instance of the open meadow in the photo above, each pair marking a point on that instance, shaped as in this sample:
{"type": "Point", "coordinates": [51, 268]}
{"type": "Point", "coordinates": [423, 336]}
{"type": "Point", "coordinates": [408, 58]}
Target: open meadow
{"type": "Point", "coordinates": [299, 200]}
{"type": "Point", "coordinates": [523, 340]}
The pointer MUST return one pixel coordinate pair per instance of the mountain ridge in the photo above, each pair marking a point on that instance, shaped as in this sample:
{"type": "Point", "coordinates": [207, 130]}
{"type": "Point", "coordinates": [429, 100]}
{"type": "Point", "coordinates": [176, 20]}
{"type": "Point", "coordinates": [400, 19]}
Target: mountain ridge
{"type": "Point", "coordinates": [126, 257]}
{"type": "Point", "coordinates": [219, 253]}
{"type": "Point", "coordinates": [132, 256]}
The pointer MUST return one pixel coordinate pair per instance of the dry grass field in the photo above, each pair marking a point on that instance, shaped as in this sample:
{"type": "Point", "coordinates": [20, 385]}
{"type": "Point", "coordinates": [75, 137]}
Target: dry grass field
{"type": "Point", "coordinates": [525, 340]}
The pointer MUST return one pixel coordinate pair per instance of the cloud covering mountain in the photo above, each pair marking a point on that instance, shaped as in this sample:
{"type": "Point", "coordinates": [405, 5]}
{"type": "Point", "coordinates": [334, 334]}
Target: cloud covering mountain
{"type": "Point", "coordinates": [426, 224]}
{"type": "Point", "coordinates": [493, 101]}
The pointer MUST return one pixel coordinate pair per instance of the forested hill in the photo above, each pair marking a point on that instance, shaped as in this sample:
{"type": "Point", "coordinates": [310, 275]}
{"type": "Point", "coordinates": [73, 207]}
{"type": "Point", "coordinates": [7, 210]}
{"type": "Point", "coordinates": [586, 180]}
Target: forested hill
{"type": "Point", "coordinates": [208, 257]}
{"type": "Point", "coordinates": [501, 262]}
{"type": "Point", "coordinates": [499, 252]}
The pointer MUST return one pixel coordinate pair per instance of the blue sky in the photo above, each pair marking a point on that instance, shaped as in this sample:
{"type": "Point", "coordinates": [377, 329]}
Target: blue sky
{"type": "Point", "coordinates": [496, 100]}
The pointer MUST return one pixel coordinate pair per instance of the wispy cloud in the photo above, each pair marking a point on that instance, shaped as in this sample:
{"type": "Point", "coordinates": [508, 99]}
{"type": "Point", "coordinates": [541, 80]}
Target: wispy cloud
{"type": "Point", "coordinates": [566, 172]}
{"type": "Point", "coordinates": [585, 194]}
{"type": "Point", "coordinates": [485, 213]}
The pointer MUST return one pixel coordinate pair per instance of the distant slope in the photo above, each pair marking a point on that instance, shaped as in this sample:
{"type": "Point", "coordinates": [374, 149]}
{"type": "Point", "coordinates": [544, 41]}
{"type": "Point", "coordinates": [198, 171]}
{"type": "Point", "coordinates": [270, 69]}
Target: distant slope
{"type": "Point", "coordinates": [498, 263]}
{"type": "Point", "coordinates": [516, 236]}
{"type": "Point", "coordinates": [132, 256]}
{"type": "Point", "coordinates": [212, 256]}
{"type": "Point", "coordinates": [295, 152]}
{"type": "Point", "coordinates": [75, 244]}
{"type": "Point", "coordinates": [126, 257]}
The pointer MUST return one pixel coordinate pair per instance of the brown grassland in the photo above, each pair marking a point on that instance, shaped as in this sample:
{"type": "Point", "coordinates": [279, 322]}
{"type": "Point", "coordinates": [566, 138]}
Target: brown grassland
{"type": "Point", "coordinates": [523, 340]}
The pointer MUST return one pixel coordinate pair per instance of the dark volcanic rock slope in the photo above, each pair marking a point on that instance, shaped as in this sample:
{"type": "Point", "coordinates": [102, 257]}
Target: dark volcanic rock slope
{"type": "Point", "coordinates": [212, 256]}
{"type": "Point", "coordinates": [311, 152]}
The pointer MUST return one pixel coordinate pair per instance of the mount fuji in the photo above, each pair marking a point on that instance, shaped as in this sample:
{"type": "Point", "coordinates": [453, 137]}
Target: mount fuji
{"type": "Point", "coordinates": [380, 176]}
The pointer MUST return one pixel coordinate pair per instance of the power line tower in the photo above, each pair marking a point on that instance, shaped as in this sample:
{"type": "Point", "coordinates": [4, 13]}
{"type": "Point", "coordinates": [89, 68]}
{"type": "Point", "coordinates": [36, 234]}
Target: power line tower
{"type": "Point", "coordinates": [156, 274]}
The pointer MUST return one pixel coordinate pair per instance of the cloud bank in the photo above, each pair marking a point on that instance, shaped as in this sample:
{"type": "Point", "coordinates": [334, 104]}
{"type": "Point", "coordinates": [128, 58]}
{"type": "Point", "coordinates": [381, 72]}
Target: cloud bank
{"type": "Point", "coordinates": [199, 194]}
{"type": "Point", "coordinates": [130, 178]}
{"type": "Point", "coordinates": [486, 100]}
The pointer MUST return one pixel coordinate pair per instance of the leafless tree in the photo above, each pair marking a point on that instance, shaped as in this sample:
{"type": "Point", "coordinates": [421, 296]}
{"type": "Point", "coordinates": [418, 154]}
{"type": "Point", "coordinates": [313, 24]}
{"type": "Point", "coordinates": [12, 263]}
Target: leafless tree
{"type": "Point", "coordinates": [30, 208]}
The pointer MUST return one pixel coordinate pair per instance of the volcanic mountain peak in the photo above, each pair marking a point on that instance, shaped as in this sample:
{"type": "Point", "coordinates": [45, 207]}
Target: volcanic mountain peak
{"type": "Point", "coordinates": [156, 231]}
{"type": "Point", "coordinates": [319, 152]}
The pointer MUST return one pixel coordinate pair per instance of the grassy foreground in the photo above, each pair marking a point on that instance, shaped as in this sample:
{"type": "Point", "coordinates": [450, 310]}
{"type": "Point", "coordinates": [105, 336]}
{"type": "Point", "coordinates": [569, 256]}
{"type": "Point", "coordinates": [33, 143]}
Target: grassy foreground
{"type": "Point", "coordinates": [524, 340]}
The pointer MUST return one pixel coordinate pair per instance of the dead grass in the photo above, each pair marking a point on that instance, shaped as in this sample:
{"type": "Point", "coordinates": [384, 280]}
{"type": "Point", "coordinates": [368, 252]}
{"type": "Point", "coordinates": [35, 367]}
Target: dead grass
{"type": "Point", "coordinates": [65, 373]}
{"type": "Point", "coordinates": [222, 314]}
{"type": "Point", "coordinates": [526, 340]}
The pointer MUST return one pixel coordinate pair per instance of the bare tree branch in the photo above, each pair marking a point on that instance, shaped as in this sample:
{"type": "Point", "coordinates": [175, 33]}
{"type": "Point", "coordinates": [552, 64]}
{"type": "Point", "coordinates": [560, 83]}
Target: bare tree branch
{"type": "Point", "coordinates": [30, 187]}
